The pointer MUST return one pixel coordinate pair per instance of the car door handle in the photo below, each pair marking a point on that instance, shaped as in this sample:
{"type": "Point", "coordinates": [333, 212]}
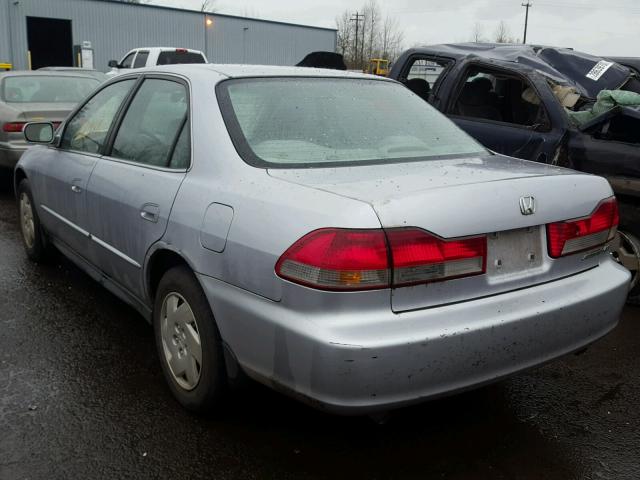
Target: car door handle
{"type": "Point", "coordinates": [76, 189]}
{"type": "Point", "coordinates": [150, 212]}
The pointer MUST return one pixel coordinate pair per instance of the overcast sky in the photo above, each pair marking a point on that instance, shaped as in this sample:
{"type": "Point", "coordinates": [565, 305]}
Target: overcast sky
{"type": "Point", "coordinates": [605, 27]}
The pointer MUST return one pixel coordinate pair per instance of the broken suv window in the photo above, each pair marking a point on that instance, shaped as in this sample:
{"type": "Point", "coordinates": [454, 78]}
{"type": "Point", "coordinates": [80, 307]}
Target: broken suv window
{"type": "Point", "coordinates": [500, 97]}
{"type": "Point", "coordinates": [620, 128]}
{"type": "Point", "coordinates": [423, 75]}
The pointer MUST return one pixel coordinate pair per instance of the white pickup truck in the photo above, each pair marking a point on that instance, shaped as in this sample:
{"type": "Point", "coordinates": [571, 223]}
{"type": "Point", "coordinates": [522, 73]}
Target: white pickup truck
{"type": "Point", "coordinates": [151, 56]}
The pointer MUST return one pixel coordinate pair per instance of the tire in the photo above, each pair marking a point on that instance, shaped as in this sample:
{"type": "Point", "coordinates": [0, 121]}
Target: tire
{"type": "Point", "coordinates": [34, 237]}
{"type": "Point", "coordinates": [630, 248]}
{"type": "Point", "coordinates": [181, 316]}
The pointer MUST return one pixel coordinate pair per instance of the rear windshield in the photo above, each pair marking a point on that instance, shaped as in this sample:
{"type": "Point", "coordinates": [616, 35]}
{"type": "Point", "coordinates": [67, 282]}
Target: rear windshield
{"type": "Point", "coordinates": [305, 122]}
{"type": "Point", "coordinates": [170, 58]}
{"type": "Point", "coordinates": [41, 89]}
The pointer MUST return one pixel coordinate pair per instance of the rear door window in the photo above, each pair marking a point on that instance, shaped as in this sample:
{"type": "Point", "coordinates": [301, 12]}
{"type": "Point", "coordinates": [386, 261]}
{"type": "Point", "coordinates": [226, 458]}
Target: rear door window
{"type": "Point", "coordinates": [179, 56]}
{"type": "Point", "coordinates": [154, 120]}
{"type": "Point", "coordinates": [141, 59]}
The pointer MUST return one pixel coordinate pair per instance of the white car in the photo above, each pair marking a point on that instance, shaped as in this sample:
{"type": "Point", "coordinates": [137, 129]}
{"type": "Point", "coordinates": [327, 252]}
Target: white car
{"type": "Point", "coordinates": [152, 56]}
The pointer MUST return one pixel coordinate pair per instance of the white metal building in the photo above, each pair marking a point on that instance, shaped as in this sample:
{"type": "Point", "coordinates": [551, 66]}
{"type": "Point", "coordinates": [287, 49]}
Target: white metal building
{"type": "Point", "coordinates": [44, 33]}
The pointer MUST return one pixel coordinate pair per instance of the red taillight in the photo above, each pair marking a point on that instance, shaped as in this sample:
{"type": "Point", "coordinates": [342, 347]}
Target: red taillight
{"type": "Point", "coordinates": [342, 259]}
{"type": "Point", "coordinates": [337, 259]}
{"type": "Point", "coordinates": [13, 127]}
{"type": "Point", "coordinates": [573, 236]}
{"type": "Point", "coordinates": [181, 50]}
{"type": "Point", "coordinates": [419, 257]}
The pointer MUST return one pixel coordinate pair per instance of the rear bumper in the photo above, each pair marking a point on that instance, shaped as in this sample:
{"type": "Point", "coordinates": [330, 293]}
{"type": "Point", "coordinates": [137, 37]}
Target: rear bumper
{"type": "Point", "coordinates": [364, 361]}
{"type": "Point", "coordinates": [9, 156]}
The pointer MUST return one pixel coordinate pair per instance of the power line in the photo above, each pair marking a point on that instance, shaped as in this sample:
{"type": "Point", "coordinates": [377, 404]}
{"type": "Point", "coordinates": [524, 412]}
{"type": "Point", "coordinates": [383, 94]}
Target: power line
{"type": "Point", "coordinates": [526, 20]}
{"type": "Point", "coordinates": [356, 18]}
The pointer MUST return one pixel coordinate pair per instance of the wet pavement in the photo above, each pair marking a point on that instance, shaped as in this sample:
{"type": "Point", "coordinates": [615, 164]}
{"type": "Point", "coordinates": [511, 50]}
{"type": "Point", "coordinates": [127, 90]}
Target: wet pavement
{"type": "Point", "coordinates": [82, 396]}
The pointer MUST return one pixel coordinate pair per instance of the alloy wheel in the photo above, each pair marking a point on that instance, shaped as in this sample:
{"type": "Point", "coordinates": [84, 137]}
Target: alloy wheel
{"type": "Point", "coordinates": [181, 342]}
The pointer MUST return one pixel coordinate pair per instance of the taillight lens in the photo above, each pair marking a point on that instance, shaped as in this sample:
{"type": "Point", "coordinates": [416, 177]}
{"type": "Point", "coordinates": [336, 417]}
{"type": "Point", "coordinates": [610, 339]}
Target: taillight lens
{"type": "Point", "coordinates": [573, 236]}
{"type": "Point", "coordinates": [419, 257]}
{"type": "Point", "coordinates": [13, 127]}
{"type": "Point", "coordinates": [337, 259]}
{"type": "Point", "coordinates": [343, 259]}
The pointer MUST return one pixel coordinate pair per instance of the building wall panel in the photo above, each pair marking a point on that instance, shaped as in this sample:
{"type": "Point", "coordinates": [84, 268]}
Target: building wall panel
{"type": "Point", "coordinates": [114, 28]}
{"type": "Point", "coordinates": [5, 38]}
{"type": "Point", "coordinates": [238, 40]}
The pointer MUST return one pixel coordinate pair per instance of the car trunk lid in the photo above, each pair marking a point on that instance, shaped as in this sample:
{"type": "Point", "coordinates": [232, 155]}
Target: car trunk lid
{"type": "Point", "coordinates": [467, 197]}
{"type": "Point", "coordinates": [42, 112]}
{"type": "Point", "coordinates": [36, 112]}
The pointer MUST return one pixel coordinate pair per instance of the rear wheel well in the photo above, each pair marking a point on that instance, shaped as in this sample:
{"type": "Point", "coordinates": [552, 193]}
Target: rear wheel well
{"type": "Point", "coordinates": [161, 262]}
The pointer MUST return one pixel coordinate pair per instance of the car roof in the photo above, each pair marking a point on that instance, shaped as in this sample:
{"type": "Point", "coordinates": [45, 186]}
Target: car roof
{"type": "Point", "coordinates": [46, 73]}
{"type": "Point", "coordinates": [170, 49]}
{"type": "Point", "coordinates": [67, 69]}
{"type": "Point", "coordinates": [589, 74]}
{"type": "Point", "coordinates": [247, 71]}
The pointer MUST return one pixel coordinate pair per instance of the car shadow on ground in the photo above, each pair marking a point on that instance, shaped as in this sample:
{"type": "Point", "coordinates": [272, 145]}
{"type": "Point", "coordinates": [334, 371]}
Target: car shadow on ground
{"type": "Point", "coordinates": [6, 182]}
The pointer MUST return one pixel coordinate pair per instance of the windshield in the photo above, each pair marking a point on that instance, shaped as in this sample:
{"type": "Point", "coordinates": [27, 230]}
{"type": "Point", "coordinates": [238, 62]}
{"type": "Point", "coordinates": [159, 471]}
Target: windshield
{"type": "Point", "coordinates": [49, 89]}
{"type": "Point", "coordinates": [286, 122]}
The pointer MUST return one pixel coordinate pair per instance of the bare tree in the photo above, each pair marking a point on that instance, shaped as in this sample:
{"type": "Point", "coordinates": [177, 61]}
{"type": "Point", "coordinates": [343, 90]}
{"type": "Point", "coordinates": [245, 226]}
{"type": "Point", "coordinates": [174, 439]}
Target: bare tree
{"type": "Point", "coordinates": [208, 6]}
{"type": "Point", "coordinates": [477, 35]}
{"type": "Point", "coordinates": [503, 34]}
{"type": "Point", "coordinates": [250, 12]}
{"type": "Point", "coordinates": [370, 31]}
{"type": "Point", "coordinates": [379, 36]}
{"type": "Point", "coordinates": [346, 34]}
{"type": "Point", "coordinates": [391, 39]}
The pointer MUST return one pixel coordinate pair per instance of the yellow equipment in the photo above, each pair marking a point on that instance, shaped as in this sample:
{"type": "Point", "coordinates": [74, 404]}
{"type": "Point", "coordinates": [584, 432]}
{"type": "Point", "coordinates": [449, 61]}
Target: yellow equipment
{"type": "Point", "coordinates": [378, 66]}
{"type": "Point", "coordinates": [5, 66]}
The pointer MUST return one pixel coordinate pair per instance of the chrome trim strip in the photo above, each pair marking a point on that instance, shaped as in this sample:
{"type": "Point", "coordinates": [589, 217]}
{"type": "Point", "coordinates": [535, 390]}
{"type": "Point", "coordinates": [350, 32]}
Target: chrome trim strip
{"type": "Point", "coordinates": [102, 243]}
{"type": "Point", "coordinates": [115, 251]}
{"type": "Point", "coordinates": [65, 221]}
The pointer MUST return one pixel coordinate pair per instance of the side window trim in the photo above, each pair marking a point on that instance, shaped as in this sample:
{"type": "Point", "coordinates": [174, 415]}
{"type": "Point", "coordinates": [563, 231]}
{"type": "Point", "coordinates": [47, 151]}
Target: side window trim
{"type": "Point", "coordinates": [115, 126]}
{"type": "Point", "coordinates": [122, 111]}
{"type": "Point", "coordinates": [176, 139]}
{"type": "Point", "coordinates": [78, 108]}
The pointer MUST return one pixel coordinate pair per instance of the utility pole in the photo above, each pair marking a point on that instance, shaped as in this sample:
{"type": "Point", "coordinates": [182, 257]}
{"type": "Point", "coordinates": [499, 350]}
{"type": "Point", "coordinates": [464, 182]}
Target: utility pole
{"type": "Point", "coordinates": [356, 18]}
{"type": "Point", "coordinates": [527, 5]}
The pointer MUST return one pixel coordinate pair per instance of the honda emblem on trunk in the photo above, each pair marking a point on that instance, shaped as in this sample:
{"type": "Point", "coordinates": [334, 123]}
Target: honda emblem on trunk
{"type": "Point", "coordinates": [527, 205]}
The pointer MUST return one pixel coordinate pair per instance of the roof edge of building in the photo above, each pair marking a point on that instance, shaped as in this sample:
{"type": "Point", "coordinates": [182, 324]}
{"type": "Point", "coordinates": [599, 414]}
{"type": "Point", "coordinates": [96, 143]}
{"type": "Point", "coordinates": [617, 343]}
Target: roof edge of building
{"type": "Point", "coordinates": [216, 14]}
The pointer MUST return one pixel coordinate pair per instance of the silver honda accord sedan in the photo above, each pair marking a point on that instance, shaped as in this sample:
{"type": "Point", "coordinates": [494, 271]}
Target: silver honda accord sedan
{"type": "Point", "coordinates": [326, 233]}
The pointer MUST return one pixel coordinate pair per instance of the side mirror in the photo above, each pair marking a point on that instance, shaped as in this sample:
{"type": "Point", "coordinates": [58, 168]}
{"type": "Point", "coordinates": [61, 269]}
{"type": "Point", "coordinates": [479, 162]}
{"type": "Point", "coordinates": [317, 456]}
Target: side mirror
{"type": "Point", "coordinates": [39, 132]}
{"type": "Point", "coordinates": [113, 64]}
